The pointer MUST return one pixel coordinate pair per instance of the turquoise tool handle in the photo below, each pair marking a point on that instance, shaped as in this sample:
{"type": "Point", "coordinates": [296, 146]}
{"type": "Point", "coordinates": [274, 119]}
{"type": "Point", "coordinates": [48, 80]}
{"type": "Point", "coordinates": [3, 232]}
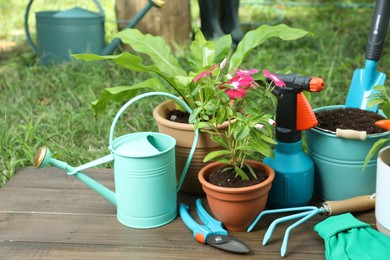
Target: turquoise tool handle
{"type": "Point", "coordinates": [200, 232]}
{"type": "Point", "coordinates": [214, 225]}
{"type": "Point", "coordinates": [26, 27]}
{"type": "Point", "coordinates": [178, 100]}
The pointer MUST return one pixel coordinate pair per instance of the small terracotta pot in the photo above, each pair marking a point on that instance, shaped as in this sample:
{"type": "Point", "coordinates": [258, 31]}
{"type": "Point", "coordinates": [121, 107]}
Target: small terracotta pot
{"type": "Point", "coordinates": [236, 208]}
{"type": "Point", "coordinates": [184, 135]}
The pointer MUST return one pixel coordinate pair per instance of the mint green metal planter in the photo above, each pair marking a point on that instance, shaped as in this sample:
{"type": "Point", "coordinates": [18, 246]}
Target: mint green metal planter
{"type": "Point", "coordinates": [144, 173]}
{"type": "Point", "coordinates": [338, 163]}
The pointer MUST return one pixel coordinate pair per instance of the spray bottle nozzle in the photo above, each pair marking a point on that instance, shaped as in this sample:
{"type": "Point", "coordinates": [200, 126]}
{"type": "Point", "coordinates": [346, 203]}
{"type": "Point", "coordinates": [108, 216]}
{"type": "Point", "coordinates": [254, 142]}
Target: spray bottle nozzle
{"type": "Point", "coordinates": [300, 83]}
{"type": "Point", "coordinates": [294, 113]}
{"type": "Point", "coordinates": [316, 84]}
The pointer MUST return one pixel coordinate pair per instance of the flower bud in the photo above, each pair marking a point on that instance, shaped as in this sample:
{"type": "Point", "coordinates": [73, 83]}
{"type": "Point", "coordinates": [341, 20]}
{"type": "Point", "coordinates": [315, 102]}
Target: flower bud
{"type": "Point", "coordinates": [223, 63]}
{"type": "Point", "coordinates": [271, 122]}
{"type": "Point", "coordinates": [259, 126]}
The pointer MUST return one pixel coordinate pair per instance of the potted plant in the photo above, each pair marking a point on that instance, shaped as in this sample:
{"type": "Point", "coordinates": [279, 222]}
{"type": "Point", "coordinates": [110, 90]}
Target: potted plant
{"type": "Point", "coordinates": [236, 186]}
{"type": "Point", "coordinates": [170, 74]}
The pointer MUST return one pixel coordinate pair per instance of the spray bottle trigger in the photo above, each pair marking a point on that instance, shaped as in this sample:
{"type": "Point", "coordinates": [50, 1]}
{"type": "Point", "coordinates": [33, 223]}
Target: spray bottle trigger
{"type": "Point", "coordinates": [306, 118]}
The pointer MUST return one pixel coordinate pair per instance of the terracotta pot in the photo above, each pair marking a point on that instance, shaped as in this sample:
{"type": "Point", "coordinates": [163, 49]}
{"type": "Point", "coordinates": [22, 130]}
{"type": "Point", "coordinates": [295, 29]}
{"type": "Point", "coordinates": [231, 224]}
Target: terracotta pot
{"type": "Point", "coordinates": [236, 208]}
{"type": "Point", "coordinates": [184, 135]}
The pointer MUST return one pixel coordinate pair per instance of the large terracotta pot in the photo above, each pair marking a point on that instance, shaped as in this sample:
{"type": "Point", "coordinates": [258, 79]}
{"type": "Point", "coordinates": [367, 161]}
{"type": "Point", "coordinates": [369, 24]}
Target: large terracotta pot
{"type": "Point", "coordinates": [236, 208]}
{"type": "Point", "coordinates": [184, 135]}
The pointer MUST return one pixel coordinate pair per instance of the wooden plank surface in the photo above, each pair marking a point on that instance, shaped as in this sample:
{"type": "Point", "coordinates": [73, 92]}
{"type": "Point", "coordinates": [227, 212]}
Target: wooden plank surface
{"type": "Point", "coordinates": [46, 214]}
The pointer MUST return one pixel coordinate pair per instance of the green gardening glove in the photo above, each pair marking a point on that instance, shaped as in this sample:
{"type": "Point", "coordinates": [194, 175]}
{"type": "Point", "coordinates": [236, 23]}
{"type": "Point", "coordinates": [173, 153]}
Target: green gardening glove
{"type": "Point", "coordinates": [348, 238]}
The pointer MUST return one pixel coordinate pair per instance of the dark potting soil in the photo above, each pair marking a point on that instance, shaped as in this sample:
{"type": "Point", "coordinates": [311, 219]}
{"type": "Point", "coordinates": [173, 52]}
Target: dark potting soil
{"type": "Point", "coordinates": [226, 178]}
{"type": "Point", "coordinates": [349, 118]}
{"type": "Point", "coordinates": [179, 116]}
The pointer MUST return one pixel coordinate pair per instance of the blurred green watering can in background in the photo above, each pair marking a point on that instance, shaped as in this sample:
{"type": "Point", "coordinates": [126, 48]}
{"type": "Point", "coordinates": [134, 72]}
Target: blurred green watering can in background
{"type": "Point", "coordinates": [61, 33]}
{"type": "Point", "coordinates": [144, 173]}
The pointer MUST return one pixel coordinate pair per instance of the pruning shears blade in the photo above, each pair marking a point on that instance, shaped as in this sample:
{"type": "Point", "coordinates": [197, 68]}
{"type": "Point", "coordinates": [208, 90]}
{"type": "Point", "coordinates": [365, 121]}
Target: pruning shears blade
{"type": "Point", "coordinates": [228, 244]}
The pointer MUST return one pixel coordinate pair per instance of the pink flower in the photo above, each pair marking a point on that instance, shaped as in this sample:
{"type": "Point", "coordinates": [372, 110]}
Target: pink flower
{"type": "Point", "coordinates": [277, 81]}
{"type": "Point", "coordinates": [236, 93]}
{"type": "Point", "coordinates": [245, 72]}
{"type": "Point", "coordinates": [205, 73]}
{"type": "Point", "coordinates": [237, 85]}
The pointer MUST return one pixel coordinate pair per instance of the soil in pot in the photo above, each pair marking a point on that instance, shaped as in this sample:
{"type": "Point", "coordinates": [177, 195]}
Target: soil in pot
{"type": "Point", "coordinates": [349, 118]}
{"type": "Point", "coordinates": [179, 116]}
{"type": "Point", "coordinates": [225, 177]}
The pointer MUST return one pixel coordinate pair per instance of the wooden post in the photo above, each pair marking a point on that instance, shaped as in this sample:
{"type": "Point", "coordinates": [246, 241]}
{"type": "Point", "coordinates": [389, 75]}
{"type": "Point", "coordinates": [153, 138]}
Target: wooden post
{"type": "Point", "coordinates": [172, 22]}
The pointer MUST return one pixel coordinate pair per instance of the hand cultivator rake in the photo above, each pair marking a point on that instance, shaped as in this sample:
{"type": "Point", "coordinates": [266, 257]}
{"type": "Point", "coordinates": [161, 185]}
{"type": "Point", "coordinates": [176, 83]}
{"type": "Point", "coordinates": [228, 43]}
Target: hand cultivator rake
{"type": "Point", "coordinates": [328, 208]}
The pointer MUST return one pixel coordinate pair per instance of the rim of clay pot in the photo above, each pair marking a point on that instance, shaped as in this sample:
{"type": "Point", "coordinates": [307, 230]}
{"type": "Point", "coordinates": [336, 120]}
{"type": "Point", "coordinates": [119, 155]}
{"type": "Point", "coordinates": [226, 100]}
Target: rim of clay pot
{"type": "Point", "coordinates": [333, 135]}
{"type": "Point", "coordinates": [203, 181]}
{"type": "Point", "coordinates": [168, 123]}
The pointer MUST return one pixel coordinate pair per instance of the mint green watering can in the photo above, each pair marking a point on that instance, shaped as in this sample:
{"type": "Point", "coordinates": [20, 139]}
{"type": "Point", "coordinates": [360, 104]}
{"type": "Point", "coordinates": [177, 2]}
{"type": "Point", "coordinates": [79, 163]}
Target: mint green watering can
{"type": "Point", "coordinates": [61, 33]}
{"type": "Point", "coordinates": [144, 173]}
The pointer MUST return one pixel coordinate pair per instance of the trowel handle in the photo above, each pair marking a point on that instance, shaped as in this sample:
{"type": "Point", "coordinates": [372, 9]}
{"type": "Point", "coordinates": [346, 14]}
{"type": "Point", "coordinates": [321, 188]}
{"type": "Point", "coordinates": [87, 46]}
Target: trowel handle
{"type": "Point", "coordinates": [351, 134]}
{"type": "Point", "coordinates": [377, 35]}
{"type": "Point", "coordinates": [360, 203]}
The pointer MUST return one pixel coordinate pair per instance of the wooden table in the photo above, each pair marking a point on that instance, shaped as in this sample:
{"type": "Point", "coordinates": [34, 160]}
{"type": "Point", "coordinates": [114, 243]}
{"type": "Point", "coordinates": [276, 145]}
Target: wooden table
{"type": "Point", "coordinates": [46, 214]}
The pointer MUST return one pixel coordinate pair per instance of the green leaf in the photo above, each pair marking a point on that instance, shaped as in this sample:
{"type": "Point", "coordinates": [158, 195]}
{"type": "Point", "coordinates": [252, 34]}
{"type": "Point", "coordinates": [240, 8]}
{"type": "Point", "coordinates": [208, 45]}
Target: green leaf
{"type": "Point", "coordinates": [251, 170]}
{"type": "Point", "coordinates": [125, 93]}
{"type": "Point", "coordinates": [374, 149]}
{"type": "Point", "coordinates": [262, 148]}
{"type": "Point", "coordinates": [258, 36]}
{"type": "Point", "coordinates": [223, 46]}
{"type": "Point", "coordinates": [223, 161]}
{"type": "Point", "coordinates": [241, 173]}
{"type": "Point", "coordinates": [374, 102]}
{"type": "Point", "coordinates": [155, 47]}
{"type": "Point", "coordinates": [134, 63]}
{"type": "Point", "coordinates": [267, 139]}
{"type": "Point", "coordinates": [215, 154]}
{"type": "Point", "coordinates": [242, 134]}
{"type": "Point", "coordinates": [194, 114]}
{"type": "Point", "coordinates": [202, 50]}
{"type": "Point", "coordinates": [219, 140]}
{"type": "Point", "coordinates": [380, 88]}
{"type": "Point", "coordinates": [386, 109]}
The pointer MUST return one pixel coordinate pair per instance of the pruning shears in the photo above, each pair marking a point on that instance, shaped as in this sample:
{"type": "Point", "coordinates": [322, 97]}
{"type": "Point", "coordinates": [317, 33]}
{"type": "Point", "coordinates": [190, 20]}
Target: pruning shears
{"type": "Point", "coordinates": [212, 233]}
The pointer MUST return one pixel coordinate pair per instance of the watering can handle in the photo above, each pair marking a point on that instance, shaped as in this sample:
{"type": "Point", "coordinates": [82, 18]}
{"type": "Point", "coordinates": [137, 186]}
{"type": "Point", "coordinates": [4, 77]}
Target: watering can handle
{"type": "Point", "coordinates": [26, 27]}
{"type": "Point", "coordinates": [181, 102]}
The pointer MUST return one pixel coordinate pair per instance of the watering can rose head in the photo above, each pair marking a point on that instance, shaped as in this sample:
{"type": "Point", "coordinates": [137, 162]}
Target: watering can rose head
{"type": "Point", "coordinates": [180, 75]}
{"type": "Point", "coordinates": [236, 99]}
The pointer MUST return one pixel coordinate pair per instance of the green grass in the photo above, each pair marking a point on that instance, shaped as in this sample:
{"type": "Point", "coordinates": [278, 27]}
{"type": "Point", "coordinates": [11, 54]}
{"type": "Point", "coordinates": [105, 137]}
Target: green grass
{"type": "Point", "coordinates": [51, 105]}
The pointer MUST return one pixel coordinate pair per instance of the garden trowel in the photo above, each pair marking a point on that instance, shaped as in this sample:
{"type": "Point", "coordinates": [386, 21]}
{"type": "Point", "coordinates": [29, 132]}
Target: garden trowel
{"type": "Point", "coordinates": [365, 79]}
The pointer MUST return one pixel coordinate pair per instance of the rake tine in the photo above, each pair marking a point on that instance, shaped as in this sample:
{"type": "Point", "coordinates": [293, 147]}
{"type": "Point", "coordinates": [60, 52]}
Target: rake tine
{"type": "Point", "coordinates": [274, 211]}
{"type": "Point", "coordinates": [309, 215]}
{"type": "Point", "coordinates": [277, 221]}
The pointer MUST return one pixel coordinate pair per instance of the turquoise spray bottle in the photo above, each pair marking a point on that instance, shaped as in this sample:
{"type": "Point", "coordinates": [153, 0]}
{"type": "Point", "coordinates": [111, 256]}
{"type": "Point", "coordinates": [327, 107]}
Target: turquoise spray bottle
{"type": "Point", "coordinates": [294, 170]}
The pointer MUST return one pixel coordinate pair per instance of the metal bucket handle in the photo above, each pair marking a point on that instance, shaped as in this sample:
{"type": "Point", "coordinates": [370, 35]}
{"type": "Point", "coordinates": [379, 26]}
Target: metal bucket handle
{"type": "Point", "coordinates": [178, 100]}
{"type": "Point", "coordinates": [26, 27]}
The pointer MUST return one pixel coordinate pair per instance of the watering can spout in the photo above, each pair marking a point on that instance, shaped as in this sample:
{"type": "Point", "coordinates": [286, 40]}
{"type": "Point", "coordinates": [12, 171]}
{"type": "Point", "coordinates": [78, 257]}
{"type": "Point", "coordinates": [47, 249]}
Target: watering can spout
{"type": "Point", "coordinates": [43, 158]}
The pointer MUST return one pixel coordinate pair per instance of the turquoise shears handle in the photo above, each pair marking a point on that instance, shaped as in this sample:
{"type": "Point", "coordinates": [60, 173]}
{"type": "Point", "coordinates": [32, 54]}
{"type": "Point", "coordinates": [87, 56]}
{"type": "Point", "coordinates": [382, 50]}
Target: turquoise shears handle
{"type": "Point", "coordinates": [200, 232]}
{"type": "Point", "coordinates": [214, 225]}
